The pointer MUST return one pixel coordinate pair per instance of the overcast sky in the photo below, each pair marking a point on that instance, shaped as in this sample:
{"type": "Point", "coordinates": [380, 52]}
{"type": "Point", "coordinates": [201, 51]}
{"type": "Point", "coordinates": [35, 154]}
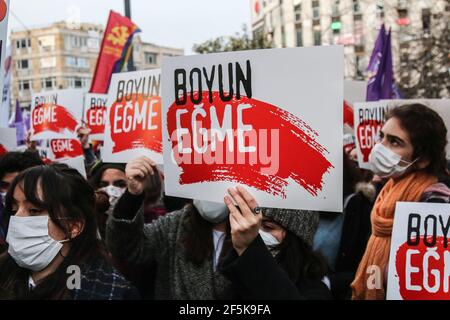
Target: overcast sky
{"type": "Point", "coordinates": [174, 23]}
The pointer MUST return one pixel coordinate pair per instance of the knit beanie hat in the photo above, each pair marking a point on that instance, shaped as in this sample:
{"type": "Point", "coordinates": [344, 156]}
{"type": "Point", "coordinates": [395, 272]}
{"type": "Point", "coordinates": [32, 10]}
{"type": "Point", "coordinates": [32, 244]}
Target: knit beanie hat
{"type": "Point", "coordinates": [302, 223]}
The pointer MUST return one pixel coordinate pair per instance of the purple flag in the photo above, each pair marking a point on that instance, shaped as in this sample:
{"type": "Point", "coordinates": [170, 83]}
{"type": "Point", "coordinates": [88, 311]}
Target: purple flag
{"type": "Point", "coordinates": [373, 85]}
{"type": "Point", "coordinates": [388, 88]}
{"type": "Point", "coordinates": [19, 124]}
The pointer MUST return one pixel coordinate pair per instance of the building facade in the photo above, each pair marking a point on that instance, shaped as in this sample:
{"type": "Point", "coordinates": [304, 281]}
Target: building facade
{"type": "Point", "coordinates": [59, 56]}
{"type": "Point", "coordinates": [352, 23]}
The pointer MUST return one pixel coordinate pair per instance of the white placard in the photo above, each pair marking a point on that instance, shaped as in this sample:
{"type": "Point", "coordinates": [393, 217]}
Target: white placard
{"type": "Point", "coordinates": [270, 120]}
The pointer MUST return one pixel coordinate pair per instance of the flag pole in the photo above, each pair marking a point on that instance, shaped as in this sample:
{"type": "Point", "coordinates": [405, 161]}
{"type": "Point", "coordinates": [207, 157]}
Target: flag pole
{"type": "Point", "coordinates": [130, 65]}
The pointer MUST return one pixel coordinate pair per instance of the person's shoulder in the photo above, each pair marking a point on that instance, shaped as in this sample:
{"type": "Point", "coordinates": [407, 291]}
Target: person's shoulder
{"type": "Point", "coordinates": [436, 193]}
{"type": "Point", "coordinates": [101, 281]}
{"type": "Point", "coordinates": [314, 290]}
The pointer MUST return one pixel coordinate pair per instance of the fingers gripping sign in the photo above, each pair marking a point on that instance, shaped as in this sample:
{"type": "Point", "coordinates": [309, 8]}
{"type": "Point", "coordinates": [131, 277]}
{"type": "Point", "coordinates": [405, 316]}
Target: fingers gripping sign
{"type": "Point", "coordinates": [137, 171]}
{"type": "Point", "coordinates": [245, 221]}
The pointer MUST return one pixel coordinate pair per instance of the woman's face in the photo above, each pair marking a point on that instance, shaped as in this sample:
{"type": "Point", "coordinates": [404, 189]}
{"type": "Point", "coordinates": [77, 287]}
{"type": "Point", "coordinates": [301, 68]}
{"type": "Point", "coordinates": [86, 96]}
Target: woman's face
{"type": "Point", "coordinates": [394, 137]}
{"type": "Point", "coordinates": [21, 207]}
{"type": "Point", "coordinates": [113, 177]}
{"type": "Point", "coordinates": [274, 229]}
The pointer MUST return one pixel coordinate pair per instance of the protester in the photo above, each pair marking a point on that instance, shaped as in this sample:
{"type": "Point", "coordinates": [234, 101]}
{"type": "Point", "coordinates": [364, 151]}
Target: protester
{"type": "Point", "coordinates": [52, 228]}
{"type": "Point", "coordinates": [11, 164]}
{"type": "Point", "coordinates": [411, 153]}
{"type": "Point", "coordinates": [184, 246]}
{"type": "Point", "coordinates": [272, 256]}
{"type": "Point", "coordinates": [109, 183]}
{"type": "Point", "coordinates": [88, 151]}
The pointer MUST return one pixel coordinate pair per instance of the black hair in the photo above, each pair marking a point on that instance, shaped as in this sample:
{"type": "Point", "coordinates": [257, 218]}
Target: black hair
{"type": "Point", "coordinates": [427, 132]}
{"type": "Point", "coordinates": [96, 173]}
{"type": "Point", "coordinates": [198, 237]}
{"type": "Point", "coordinates": [69, 199]}
{"type": "Point", "coordinates": [18, 161]}
{"type": "Point", "coordinates": [299, 260]}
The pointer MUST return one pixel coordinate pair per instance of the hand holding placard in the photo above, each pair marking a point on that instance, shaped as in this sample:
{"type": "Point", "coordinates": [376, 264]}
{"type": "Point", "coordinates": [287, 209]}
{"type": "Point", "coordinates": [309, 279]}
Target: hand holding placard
{"type": "Point", "coordinates": [137, 171]}
{"type": "Point", "coordinates": [244, 223]}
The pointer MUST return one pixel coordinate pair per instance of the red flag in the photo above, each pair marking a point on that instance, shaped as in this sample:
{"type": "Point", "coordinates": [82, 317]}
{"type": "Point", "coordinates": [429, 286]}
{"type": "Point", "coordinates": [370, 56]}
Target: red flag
{"type": "Point", "coordinates": [113, 53]}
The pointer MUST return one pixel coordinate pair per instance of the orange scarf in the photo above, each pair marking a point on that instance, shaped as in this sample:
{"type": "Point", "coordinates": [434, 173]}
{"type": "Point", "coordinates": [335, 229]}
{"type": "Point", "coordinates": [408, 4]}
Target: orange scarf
{"type": "Point", "coordinates": [366, 285]}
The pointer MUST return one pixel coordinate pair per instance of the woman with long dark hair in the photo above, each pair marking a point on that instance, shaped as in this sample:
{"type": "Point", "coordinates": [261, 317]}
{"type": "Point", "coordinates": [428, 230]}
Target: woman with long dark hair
{"type": "Point", "coordinates": [54, 251]}
{"type": "Point", "coordinates": [272, 256]}
{"type": "Point", "coordinates": [411, 155]}
{"type": "Point", "coordinates": [186, 248]}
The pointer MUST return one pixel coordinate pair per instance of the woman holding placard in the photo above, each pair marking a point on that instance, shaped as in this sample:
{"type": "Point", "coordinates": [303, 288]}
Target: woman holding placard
{"type": "Point", "coordinates": [411, 154]}
{"type": "Point", "coordinates": [272, 256]}
{"type": "Point", "coordinates": [188, 247]}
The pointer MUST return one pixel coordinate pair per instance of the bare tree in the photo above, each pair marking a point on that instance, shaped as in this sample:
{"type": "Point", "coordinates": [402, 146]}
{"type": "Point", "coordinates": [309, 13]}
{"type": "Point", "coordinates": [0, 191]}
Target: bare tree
{"type": "Point", "coordinates": [237, 42]}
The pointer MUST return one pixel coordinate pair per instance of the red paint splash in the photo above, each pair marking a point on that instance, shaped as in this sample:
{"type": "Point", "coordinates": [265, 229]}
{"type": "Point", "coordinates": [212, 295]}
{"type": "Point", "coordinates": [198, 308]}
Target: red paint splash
{"type": "Point", "coordinates": [301, 158]}
{"type": "Point", "coordinates": [348, 115]}
{"type": "Point", "coordinates": [417, 278]}
{"type": "Point", "coordinates": [64, 120]}
{"type": "Point", "coordinates": [141, 137]}
{"type": "Point", "coordinates": [99, 114]}
{"type": "Point", "coordinates": [66, 148]}
{"type": "Point", "coordinates": [3, 150]}
{"type": "Point", "coordinates": [367, 126]}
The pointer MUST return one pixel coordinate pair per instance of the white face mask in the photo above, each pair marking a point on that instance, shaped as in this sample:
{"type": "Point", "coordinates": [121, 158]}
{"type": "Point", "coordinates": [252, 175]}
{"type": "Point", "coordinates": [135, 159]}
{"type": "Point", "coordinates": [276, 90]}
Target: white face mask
{"type": "Point", "coordinates": [30, 244]}
{"type": "Point", "coordinates": [269, 240]}
{"type": "Point", "coordinates": [213, 212]}
{"type": "Point", "coordinates": [385, 163]}
{"type": "Point", "coordinates": [114, 193]}
{"type": "Point", "coordinates": [3, 196]}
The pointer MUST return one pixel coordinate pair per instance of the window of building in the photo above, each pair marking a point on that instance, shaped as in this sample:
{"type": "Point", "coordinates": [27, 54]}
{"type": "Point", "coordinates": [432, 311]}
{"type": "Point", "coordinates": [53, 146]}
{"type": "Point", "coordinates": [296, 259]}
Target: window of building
{"type": "Point", "coordinates": [426, 21]}
{"type": "Point", "coordinates": [403, 19]}
{"type": "Point", "coordinates": [336, 25]}
{"type": "Point", "coordinates": [283, 37]}
{"type": "Point", "coordinates": [403, 4]}
{"type": "Point", "coordinates": [356, 6]}
{"type": "Point", "coordinates": [299, 35]}
{"type": "Point", "coordinates": [23, 43]}
{"type": "Point", "coordinates": [48, 83]}
{"type": "Point", "coordinates": [47, 43]}
{"type": "Point", "coordinates": [298, 12]}
{"type": "Point", "coordinates": [23, 64]}
{"type": "Point", "coordinates": [75, 62]}
{"type": "Point", "coordinates": [317, 38]}
{"type": "Point", "coordinates": [316, 9]}
{"type": "Point", "coordinates": [72, 41]}
{"type": "Point", "coordinates": [24, 85]}
{"type": "Point", "coordinates": [78, 83]}
{"type": "Point", "coordinates": [335, 8]}
{"type": "Point", "coordinates": [150, 57]}
{"type": "Point", "coordinates": [380, 9]}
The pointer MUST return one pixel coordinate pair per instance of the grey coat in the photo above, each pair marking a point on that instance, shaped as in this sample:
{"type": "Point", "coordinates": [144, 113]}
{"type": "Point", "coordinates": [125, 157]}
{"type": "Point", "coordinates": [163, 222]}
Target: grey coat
{"type": "Point", "coordinates": [160, 243]}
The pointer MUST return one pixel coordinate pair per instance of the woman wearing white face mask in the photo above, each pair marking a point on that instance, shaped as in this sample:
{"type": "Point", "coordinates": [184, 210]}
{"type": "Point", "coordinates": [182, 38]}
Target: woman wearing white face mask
{"type": "Point", "coordinates": [52, 227]}
{"type": "Point", "coordinates": [273, 256]}
{"type": "Point", "coordinates": [183, 248]}
{"type": "Point", "coordinates": [109, 182]}
{"type": "Point", "coordinates": [411, 154]}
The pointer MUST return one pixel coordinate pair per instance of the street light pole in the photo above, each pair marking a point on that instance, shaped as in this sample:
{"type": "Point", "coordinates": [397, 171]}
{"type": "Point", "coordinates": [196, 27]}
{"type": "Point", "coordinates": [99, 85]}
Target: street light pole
{"type": "Point", "coordinates": [130, 66]}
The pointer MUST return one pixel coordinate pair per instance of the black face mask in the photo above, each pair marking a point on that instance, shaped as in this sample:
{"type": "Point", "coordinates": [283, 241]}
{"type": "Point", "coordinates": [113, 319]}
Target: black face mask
{"type": "Point", "coordinates": [174, 203]}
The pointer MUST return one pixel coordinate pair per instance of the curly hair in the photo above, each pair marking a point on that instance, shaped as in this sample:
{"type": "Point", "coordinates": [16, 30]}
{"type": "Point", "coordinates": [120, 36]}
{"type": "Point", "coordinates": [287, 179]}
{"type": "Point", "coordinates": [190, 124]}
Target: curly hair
{"type": "Point", "coordinates": [427, 132]}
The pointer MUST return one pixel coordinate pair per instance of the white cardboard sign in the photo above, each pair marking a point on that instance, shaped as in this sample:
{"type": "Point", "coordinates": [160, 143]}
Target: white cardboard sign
{"type": "Point", "coordinates": [270, 120]}
{"type": "Point", "coordinates": [56, 114]}
{"type": "Point", "coordinates": [419, 263]}
{"type": "Point", "coordinates": [133, 122]}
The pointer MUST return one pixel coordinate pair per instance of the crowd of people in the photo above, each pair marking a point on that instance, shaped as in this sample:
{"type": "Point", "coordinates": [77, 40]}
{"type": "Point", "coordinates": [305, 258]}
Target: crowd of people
{"type": "Point", "coordinates": [129, 240]}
